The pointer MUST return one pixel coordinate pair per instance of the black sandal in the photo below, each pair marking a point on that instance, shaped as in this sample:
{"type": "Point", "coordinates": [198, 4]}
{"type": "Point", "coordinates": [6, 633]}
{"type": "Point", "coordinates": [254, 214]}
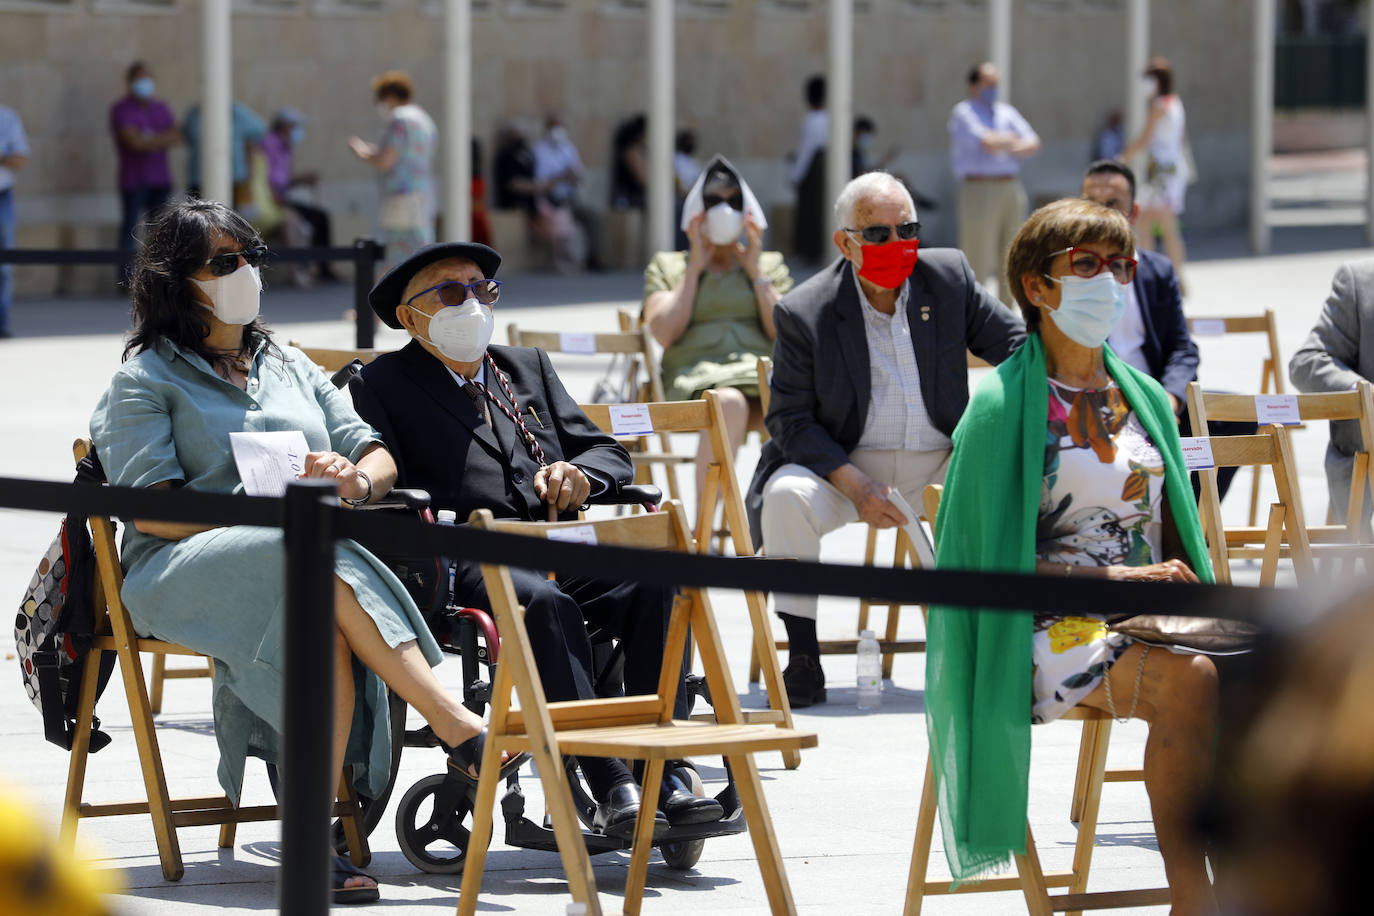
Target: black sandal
{"type": "Point", "coordinates": [466, 757]}
{"type": "Point", "coordinates": [344, 870]}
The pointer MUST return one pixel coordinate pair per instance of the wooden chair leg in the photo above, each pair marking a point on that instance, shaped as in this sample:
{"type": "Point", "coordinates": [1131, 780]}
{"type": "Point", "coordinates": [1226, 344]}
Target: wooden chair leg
{"type": "Point", "coordinates": [1254, 495]}
{"type": "Point", "coordinates": [150, 760]}
{"type": "Point", "coordinates": [80, 753]}
{"type": "Point", "coordinates": [750, 790]}
{"type": "Point", "coordinates": [358, 851]}
{"type": "Point", "coordinates": [478, 841]}
{"type": "Point", "coordinates": [155, 683]}
{"type": "Point", "coordinates": [1080, 777]}
{"type": "Point", "coordinates": [754, 666]}
{"type": "Point", "coordinates": [1101, 731]}
{"type": "Point", "coordinates": [920, 852]}
{"type": "Point", "coordinates": [644, 837]}
{"type": "Point", "coordinates": [870, 554]}
{"type": "Point", "coordinates": [1033, 879]}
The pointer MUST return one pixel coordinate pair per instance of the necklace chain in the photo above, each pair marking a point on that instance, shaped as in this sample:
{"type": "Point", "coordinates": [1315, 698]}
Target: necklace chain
{"type": "Point", "coordinates": [531, 444]}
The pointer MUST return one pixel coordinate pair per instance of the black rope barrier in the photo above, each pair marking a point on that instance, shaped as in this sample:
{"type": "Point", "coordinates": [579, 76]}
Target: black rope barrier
{"type": "Point", "coordinates": [365, 253]}
{"type": "Point", "coordinates": [312, 521]}
{"type": "Point", "coordinates": [406, 534]}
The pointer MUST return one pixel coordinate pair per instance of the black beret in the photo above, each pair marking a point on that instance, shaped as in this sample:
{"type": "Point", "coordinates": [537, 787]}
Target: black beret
{"type": "Point", "coordinates": [385, 297]}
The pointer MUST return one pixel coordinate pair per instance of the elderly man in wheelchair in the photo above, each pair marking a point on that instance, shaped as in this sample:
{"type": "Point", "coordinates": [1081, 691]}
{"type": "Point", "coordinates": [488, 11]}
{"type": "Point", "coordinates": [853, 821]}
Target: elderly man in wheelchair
{"type": "Point", "coordinates": [492, 427]}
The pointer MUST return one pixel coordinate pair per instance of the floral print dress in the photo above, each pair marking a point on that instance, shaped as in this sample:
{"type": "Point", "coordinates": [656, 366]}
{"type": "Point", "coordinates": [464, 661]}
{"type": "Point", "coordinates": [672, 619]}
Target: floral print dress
{"type": "Point", "coordinates": [1099, 506]}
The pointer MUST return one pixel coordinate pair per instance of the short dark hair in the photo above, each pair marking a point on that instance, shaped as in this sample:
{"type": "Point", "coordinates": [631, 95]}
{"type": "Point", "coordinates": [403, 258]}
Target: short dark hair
{"type": "Point", "coordinates": [1163, 73]}
{"type": "Point", "coordinates": [863, 123]}
{"type": "Point", "coordinates": [815, 91]}
{"type": "Point", "coordinates": [686, 141]}
{"type": "Point", "coordinates": [176, 243]}
{"type": "Point", "coordinates": [1113, 167]}
{"type": "Point", "coordinates": [975, 73]}
{"type": "Point", "coordinates": [133, 68]}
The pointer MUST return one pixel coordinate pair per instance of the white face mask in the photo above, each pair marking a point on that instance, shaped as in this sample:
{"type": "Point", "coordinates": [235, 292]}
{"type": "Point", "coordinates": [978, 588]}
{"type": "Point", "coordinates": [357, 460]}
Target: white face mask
{"type": "Point", "coordinates": [235, 298]}
{"type": "Point", "coordinates": [1089, 308]}
{"type": "Point", "coordinates": [461, 332]}
{"type": "Point", "coordinates": [723, 224]}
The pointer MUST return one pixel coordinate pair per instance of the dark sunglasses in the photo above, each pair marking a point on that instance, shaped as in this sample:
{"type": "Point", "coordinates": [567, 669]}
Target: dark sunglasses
{"type": "Point", "coordinates": [451, 292]}
{"type": "Point", "coordinates": [1085, 263]}
{"type": "Point", "coordinates": [877, 235]}
{"type": "Point", "coordinates": [222, 265]}
{"type": "Point", "coordinates": [734, 199]}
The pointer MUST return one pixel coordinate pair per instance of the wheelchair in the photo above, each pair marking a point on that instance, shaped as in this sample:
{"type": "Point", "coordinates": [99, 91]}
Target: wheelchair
{"type": "Point", "coordinates": [430, 814]}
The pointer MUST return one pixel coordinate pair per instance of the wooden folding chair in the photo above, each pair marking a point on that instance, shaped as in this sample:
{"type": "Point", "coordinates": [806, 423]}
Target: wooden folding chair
{"type": "Point", "coordinates": [705, 417]}
{"type": "Point", "coordinates": [332, 359]}
{"type": "Point", "coordinates": [1271, 368]}
{"type": "Point", "coordinates": [1356, 405]}
{"type": "Point", "coordinates": [902, 550]}
{"type": "Point", "coordinates": [1031, 879]}
{"type": "Point", "coordinates": [115, 633]}
{"type": "Point", "coordinates": [640, 374]}
{"type": "Point", "coordinates": [637, 727]}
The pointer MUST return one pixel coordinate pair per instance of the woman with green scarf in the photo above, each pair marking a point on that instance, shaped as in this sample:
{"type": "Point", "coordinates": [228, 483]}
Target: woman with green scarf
{"type": "Point", "coordinates": [1067, 463]}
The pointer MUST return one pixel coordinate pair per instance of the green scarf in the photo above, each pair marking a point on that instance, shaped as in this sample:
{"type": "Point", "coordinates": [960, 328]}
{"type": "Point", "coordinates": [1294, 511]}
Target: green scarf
{"type": "Point", "coordinates": [978, 660]}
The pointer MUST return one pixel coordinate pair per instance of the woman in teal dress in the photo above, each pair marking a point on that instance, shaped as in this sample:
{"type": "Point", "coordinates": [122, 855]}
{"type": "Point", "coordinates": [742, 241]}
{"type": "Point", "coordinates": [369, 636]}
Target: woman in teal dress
{"type": "Point", "coordinates": [200, 365]}
{"type": "Point", "coordinates": [711, 307]}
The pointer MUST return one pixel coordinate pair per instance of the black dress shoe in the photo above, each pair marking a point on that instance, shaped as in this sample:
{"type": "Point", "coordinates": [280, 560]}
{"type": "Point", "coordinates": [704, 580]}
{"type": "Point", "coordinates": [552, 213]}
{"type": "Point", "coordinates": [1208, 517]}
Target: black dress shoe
{"type": "Point", "coordinates": [683, 807]}
{"type": "Point", "coordinates": [804, 680]}
{"type": "Point", "coordinates": [615, 817]}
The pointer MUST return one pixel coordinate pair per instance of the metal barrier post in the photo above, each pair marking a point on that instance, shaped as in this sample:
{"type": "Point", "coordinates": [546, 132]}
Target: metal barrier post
{"type": "Point", "coordinates": [366, 254]}
{"type": "Point", "coordinates": [308, 780]}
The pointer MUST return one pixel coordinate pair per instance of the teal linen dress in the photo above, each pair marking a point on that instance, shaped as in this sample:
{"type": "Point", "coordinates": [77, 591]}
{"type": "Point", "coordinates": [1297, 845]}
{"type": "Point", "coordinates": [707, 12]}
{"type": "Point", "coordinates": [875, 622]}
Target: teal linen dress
{"type": "Point", "coordinates": [167, 417]}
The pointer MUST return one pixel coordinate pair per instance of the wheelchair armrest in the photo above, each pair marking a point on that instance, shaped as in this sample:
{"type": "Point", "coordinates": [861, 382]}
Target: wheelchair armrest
{"type": "Point", "coordinates": [633, 494]}
{"type": "Point", "coordinates": [345, 375]}
{"type": "Point", "coordinates": [401, 498]}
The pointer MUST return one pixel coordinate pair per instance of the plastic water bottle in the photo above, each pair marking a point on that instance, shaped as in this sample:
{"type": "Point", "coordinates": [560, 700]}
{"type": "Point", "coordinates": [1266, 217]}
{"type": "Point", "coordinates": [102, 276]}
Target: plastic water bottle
{"type": "Point", "coordinates": [448, 518]}
{"type": "Point", "coordinates": [870, 671]}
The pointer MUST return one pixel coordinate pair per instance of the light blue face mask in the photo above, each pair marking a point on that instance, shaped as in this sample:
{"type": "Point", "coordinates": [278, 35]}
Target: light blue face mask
{"type": "Point", "coordinates": [143, 87]}
{"type": "Point", "coordinates": [988, 96]}
{"type": "Point", "coordinates": [1088, 308]}
{"type": "Point", "coordinates": [297, 135]}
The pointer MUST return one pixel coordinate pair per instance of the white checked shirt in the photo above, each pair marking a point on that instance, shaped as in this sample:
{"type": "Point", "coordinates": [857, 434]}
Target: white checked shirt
{"type": "Point", "coordinates": [897, 418]}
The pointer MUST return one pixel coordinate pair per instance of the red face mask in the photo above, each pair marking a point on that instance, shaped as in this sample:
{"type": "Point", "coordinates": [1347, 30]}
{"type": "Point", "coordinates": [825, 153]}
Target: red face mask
{"type": "Point", "coordinates": [889, 264]}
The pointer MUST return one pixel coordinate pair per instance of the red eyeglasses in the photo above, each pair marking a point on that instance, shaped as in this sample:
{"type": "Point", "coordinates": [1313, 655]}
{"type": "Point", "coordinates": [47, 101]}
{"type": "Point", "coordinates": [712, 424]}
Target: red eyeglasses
{"type": "Point", "coordinates": [1085, 263]}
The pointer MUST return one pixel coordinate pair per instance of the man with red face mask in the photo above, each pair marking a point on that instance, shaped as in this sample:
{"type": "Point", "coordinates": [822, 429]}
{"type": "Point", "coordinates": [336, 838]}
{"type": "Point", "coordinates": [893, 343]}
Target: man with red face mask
{"type": "Point", "coordinates": [869, 379]}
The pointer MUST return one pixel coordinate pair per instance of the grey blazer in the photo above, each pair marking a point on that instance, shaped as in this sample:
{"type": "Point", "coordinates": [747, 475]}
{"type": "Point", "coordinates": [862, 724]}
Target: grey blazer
{"type": "Point", "coordinates": [821, 377]}
{"type": "Point", "coordinates": [1336, 355]}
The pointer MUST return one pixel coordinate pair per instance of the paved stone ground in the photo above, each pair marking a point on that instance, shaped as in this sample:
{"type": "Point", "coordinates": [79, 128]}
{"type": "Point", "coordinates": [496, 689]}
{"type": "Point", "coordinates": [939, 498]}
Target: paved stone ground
{"type": "Point", "coordinates": [845, 819]}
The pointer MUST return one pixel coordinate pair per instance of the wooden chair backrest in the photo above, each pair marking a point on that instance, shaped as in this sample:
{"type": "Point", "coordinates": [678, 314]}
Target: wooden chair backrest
{"type": "Point", "coordinates": [1273, 446]}
{"type": "Point", "coordinates": [703, 416]}
{"type": "Point", "coordinates": [764, 368]}
{"type": "Point", "coordinates": [1271, 375]}
{"type": "Point", "coordinates": [110, 575]}
{"type": "Point", "coordinates": [1356, 405]}
{"type": "Point", "coordinates": [332, 360]}
{"type": "Point", "coordinates": [631, 340]}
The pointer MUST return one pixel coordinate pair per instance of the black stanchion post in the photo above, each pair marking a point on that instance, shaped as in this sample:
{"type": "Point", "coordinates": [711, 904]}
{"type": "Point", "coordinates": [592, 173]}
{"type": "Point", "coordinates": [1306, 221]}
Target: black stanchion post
{"type": "Point", "coordinates": [308, 780]}
{"type": "Point", "coordinates": [366, 254]}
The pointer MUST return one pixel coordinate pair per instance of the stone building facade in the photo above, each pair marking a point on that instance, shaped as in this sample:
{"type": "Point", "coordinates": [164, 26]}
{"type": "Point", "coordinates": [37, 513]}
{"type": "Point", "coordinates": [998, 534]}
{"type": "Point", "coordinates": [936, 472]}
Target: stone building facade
{"type": "Point", "coordinates": [740, 67]}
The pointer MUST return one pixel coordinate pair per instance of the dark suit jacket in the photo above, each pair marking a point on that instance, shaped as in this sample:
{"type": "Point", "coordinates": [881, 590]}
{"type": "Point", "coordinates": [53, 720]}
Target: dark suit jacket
{"type": "Point", "coordinates": [441, 443]}
{"type": "Point", "coordinates": [821, 376]}
{"type": "Point", "coordinates": [1169, 350]}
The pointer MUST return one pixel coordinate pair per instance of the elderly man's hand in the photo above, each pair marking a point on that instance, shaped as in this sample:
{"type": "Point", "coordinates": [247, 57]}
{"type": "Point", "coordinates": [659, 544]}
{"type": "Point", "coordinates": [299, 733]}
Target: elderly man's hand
{"type": "Point", "coordinates": [562, 485]}
{"type": "Point", "coordinates": [868, 496]}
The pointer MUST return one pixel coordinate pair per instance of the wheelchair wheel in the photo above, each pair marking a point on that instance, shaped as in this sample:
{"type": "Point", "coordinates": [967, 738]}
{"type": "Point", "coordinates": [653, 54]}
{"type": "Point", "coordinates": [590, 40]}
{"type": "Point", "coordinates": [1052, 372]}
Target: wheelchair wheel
{"type": "Point", "coordinates": [686, 854]}
{"type": "Point", "coordinates": [429, 824]}
{"type": "Point", "coordinates": [373, 809]}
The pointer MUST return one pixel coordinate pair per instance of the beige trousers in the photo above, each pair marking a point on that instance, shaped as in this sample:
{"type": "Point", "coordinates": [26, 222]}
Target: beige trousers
{"type": "Point", "coordinates": [990, 213]}
{"type": "Point", "coordinates": [799, 506]}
